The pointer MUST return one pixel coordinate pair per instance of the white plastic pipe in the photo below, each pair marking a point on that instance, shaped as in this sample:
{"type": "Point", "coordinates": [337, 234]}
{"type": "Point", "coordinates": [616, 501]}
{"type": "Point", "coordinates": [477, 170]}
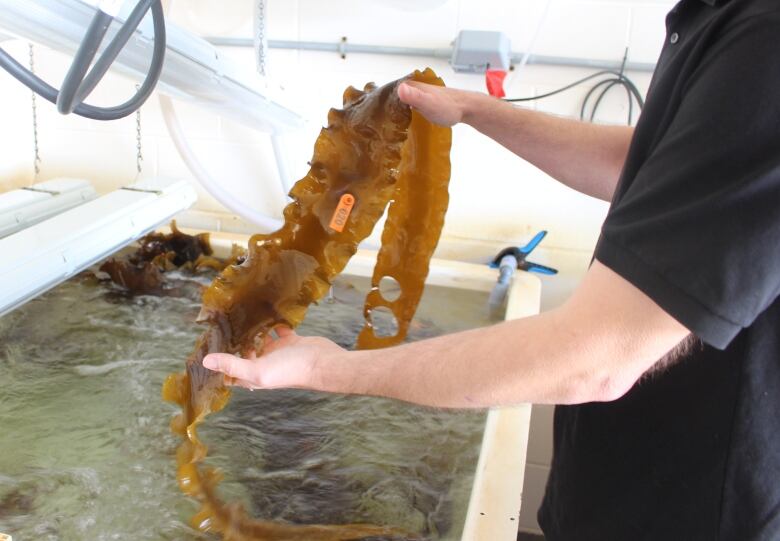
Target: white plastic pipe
{"type": "Point", "coordinates": [206, 180]}
{"type": "Point", "coordinates": [534, 39]}
{"type": "Point", "coordinates": [281, 163]}
{"type": "Point", "coordinates": [202, 175]}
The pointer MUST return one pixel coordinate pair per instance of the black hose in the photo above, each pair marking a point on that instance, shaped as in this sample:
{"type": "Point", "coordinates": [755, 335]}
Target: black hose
{"type": "Point", "coordinates": [49, 93]}
{"type": "Point", "coordinates": [565, 88]}
{"type": "Point", "coordinates": [601, 97]}
{"type": "Point", "coordinates": [635, 91]}
{"type": "Point", "coordinates": [630, 106]}
{"type": "Point", "coordinates": [619, 79]}
{"type": "Point", "coordinates": [590, 93]}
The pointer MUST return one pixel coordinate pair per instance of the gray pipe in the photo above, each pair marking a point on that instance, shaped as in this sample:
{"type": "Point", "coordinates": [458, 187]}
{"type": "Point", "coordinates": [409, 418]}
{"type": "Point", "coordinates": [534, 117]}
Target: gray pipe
{"type": "Point", "coordinates": [498, 295]}
{"type": "Point", "coordinates": [585, 63]}
{"type": "Point", "coordinates": [17, 14]}
{"type": "Point", "coordinates": [103, 64]}
{"type": "Point", "coordinates": [344, 48]}
{"type": "Point", "coordinates": [69, 90]}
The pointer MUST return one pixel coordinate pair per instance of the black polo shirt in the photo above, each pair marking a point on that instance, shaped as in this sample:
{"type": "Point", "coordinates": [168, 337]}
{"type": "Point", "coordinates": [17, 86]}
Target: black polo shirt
{"type": "Point", "coordinates": [692, 452]}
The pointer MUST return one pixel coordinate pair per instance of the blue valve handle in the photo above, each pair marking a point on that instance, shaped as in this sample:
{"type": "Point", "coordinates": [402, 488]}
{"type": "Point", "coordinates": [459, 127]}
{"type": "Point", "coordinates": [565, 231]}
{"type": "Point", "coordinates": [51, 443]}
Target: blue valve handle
{"type": "Point", "coordinates": [521, 253]}
{"type": "Point", "coordinates": [528, 248]}
{"type": "Point", "coordinates": [540, 269]}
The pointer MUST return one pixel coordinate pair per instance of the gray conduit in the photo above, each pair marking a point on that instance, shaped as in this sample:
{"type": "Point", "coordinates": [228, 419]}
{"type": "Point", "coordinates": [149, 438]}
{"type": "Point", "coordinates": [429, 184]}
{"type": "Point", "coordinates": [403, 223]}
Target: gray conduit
{"type": "Point", "coordinates": [344, 48]}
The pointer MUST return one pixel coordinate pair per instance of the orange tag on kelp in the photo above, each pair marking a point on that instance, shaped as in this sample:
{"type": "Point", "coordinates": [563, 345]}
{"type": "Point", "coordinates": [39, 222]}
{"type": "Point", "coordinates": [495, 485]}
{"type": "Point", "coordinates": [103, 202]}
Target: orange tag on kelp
{"type": "Point", "coordinates": [342, 212]}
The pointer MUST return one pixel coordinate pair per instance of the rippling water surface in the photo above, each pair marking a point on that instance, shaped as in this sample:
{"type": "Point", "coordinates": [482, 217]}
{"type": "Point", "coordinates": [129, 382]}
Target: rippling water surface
{"type": "Point", "coordinates": [86, 453]}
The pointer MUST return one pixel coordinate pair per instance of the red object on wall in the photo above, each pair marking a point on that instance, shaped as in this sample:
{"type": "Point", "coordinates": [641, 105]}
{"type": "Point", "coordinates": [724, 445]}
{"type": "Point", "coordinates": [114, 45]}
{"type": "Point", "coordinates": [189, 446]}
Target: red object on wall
{"type": "Point", "coordinates": [495, 82]}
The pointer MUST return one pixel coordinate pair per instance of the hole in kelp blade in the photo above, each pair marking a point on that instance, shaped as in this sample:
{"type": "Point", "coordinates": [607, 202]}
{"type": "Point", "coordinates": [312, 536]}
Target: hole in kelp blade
{"type": "Point", "coordinates": [389, 288]}
{"type": "Point", "coordinates": [383, 322]}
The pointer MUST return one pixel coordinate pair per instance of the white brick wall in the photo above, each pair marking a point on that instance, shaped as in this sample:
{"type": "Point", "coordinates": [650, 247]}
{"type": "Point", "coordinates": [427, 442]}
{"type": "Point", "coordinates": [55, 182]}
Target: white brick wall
{"type": "Point", "coordinates": [497, 199]}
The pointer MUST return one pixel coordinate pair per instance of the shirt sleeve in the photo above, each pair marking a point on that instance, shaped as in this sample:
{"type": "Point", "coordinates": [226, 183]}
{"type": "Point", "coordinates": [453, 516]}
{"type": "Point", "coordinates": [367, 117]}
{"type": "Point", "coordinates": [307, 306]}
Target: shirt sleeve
{"type": "Point", "coordinates": [698, 228]}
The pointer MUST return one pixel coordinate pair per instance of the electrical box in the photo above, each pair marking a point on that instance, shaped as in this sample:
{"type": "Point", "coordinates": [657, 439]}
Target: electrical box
{"type": "Point", "coordinates": [477, 50]}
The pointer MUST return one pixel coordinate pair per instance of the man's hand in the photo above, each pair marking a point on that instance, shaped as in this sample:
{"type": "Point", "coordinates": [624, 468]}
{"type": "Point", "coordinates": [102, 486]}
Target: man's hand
{"type": "Point", "coordinates": [585, 157]}
{"type": "Point", "coordinates": [287, 362]}
{"type": "Point", "coordinates": [440, 105]}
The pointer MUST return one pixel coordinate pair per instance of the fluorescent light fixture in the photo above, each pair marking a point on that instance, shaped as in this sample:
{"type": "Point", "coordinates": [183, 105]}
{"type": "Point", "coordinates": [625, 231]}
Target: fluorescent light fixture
{"type": "Point", "coordinates": [194, 70]}
{"type": "Point", "coordinates": [46, 254]}
{"type": "Point", "coordinates": [27, 206]}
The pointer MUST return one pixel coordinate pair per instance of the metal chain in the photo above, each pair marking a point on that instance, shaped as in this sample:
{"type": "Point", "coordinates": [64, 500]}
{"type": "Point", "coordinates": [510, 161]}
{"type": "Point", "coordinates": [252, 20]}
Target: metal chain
{"type": "Point", "coordinates": [139, 157]}
{"type": "Point", "coordinates": [260, 35]}
{"type": "Point", "coordinates": [37, 155]}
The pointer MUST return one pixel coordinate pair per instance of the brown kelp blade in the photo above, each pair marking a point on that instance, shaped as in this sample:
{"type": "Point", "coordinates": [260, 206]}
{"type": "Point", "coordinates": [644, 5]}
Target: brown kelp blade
{"type": "Point", "coordinates": [374, 150]}
{"type": "Point", "coordinates": [142, 271]}
{"type": "Point", "coordinates": [414, 222]}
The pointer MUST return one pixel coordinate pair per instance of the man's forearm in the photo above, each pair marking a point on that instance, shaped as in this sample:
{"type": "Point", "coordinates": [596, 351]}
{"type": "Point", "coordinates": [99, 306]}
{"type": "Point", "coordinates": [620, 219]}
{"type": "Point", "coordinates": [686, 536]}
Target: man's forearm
{"type": "Point", "coordinates": [593, 348]}
{"type": "Point", "coordinates": [504, 364]}
{"type": "Point", "coordinates": [586, 157]}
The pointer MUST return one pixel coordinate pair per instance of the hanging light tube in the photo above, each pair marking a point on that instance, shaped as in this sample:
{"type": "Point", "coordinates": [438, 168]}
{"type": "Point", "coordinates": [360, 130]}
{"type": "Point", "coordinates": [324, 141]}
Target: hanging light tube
{"type": "Point", "coordinates": [28, 206]}
{"type": "Point", "coordinates": [48, 253]}
{"type": "Point", "coordinates": [194, 70]}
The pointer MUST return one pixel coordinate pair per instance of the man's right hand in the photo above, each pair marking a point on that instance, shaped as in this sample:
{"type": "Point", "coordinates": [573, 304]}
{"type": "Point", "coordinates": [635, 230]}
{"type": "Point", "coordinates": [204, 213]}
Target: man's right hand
{"type": "Point", "coordinates": [440, 105]}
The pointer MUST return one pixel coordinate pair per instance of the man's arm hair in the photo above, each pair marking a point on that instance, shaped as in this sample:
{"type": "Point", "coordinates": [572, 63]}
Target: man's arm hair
{"type": "Point", "coordinates": [593, 348]}
{"type": "Point", "coordinates": [586, 157]}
